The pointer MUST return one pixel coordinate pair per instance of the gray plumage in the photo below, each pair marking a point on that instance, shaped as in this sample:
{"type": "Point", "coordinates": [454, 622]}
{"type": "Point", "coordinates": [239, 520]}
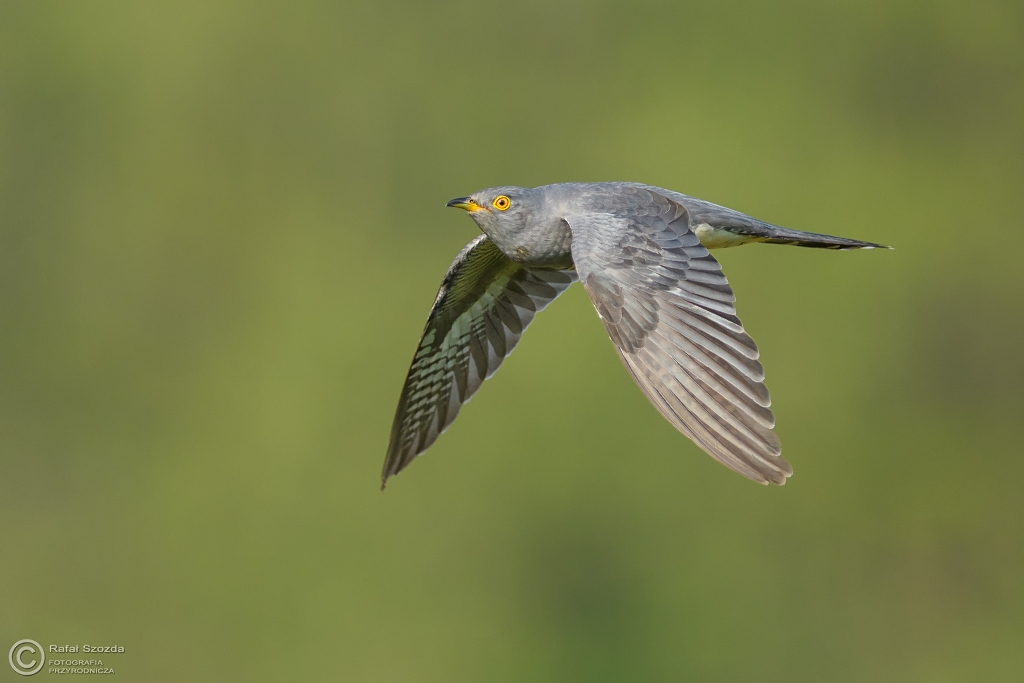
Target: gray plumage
{"type": "Point", "coordinates": [641, 253]}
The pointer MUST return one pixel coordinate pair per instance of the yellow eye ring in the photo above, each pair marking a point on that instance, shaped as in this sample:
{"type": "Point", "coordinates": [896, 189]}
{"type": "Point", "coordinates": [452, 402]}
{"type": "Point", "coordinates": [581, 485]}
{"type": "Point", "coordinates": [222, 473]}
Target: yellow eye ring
{"type": "Point", "coordinates": [501, 203]}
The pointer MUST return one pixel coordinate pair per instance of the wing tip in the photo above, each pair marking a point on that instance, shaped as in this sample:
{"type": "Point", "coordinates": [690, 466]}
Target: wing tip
{"type": "Point", "coordinates": [781, 474]}
{"type": "Point", "coordinates": [776, 478]}
{"type": "Point", "coordinates": [763, 470]}
{"type": "Point", "coordinates": [390, 471]}
{"type": "Point", "coordinates": [392, 466]}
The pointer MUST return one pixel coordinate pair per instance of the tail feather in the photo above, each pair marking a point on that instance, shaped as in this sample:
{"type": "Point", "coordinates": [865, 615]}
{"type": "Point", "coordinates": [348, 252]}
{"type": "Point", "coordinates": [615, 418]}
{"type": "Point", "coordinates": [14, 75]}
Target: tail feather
{"type": "Point", "coordinates": [777, 235]}
{"type": "Point", "coordinates": [749, 229]}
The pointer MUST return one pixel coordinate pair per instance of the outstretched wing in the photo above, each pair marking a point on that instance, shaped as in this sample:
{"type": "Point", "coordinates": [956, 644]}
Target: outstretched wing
{"type": "Point", "coordinates": [485, 302]}
{"type": "Point", "coordinates": [669, 310]}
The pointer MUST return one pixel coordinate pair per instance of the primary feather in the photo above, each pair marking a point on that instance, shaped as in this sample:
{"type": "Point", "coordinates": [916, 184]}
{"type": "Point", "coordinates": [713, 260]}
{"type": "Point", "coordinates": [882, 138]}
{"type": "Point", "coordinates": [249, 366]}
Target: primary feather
{"type": "Point", "coordinates": [484, 303]}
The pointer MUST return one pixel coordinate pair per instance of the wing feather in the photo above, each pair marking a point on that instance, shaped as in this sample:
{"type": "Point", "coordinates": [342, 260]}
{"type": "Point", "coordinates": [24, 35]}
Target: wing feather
{"type": "Point", "coordinates": [669, 310]}
{"type": "Point", "coordinates": [484, 303]}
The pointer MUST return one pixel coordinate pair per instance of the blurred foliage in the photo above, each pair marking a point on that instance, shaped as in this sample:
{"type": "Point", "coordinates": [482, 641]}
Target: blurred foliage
{"type": "Point", "coordinates": [221, 229]}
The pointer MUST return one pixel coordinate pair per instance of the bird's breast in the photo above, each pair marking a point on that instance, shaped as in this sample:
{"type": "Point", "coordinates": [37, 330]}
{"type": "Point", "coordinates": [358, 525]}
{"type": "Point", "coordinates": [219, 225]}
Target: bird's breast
{"type": "Point", "coordinates": [539, 245]}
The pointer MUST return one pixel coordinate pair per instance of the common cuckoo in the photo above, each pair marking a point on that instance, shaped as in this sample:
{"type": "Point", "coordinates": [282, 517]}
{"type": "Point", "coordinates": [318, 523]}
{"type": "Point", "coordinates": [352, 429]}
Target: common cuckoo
{"type": "Point", "coordinates": [642, 255]}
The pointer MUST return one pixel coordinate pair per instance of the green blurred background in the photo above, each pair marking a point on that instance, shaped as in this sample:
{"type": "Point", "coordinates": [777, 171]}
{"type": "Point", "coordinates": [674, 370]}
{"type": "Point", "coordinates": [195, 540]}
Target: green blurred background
{"type": "Point", "coordinates": [222, 226]}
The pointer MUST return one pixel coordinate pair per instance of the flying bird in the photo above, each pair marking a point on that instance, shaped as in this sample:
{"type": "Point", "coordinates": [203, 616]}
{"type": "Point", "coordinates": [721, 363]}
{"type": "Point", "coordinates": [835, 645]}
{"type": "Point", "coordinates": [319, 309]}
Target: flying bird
{"type": "Point", "coordinates": [641, 253]}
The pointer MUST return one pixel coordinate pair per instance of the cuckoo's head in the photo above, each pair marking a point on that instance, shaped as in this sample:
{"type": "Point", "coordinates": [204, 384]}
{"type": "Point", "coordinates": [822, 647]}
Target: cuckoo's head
{"type": "Point", "coordinates": [500, 210]}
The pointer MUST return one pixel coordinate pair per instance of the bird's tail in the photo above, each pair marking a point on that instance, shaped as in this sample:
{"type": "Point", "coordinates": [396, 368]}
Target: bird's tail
{"type": "Point", "coordinates": [777, 235]}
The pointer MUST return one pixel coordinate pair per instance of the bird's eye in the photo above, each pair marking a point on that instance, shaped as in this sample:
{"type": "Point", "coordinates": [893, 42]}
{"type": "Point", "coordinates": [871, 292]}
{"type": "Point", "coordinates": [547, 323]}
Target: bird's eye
{"type": "Point", "coordinates": [501, 203]}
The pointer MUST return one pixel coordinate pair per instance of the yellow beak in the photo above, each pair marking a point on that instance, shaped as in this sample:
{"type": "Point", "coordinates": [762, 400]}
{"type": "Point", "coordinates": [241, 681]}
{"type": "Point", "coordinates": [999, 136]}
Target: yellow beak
{"type": "Point", "coordinates": [467, 204]}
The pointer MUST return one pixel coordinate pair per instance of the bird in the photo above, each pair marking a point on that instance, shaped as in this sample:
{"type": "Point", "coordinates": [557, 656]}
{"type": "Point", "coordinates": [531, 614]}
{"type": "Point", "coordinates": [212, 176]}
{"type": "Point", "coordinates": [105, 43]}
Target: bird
{"type": "Point", "coordinates": [643, 256]}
